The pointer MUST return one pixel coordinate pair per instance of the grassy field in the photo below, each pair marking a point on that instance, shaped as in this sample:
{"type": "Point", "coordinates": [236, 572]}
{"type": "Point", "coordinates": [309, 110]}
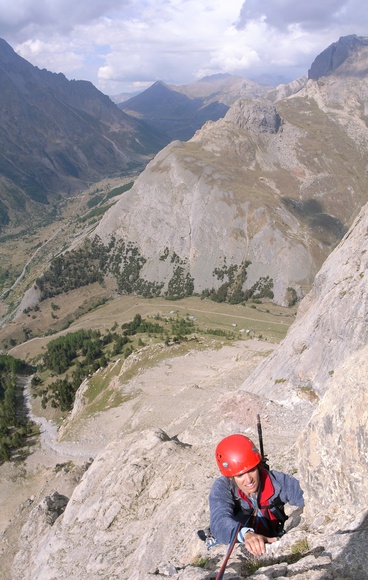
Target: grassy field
{"type": "Point", "coordinates": [266, 321]}
{"type": "Point", "coordinates": [214, 325]}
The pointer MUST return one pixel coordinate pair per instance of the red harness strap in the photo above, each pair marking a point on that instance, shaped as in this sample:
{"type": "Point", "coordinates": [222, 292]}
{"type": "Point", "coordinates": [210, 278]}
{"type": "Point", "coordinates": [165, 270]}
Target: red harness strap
{"type": "Point", "coordinates": [267, 490]}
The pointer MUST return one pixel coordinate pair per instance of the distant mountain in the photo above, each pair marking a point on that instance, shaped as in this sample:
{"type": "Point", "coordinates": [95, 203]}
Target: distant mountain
{"type": "Point", "coordinates": [273, 184]}
{"type": "Point", "coordinates": [180, 111]}
{"type": "Point", "coordinates": [222, 88]}
{"type": "Point", "coordinates": [338, 55]}
{"type": "Point", "coordinates": [172, 112]}
{"type": "Point", "coordinates": [121, 97]}
{"type": "Point", "coordinates": [269, 80]}
{"type": "Point", "coordinates": [56, 136]}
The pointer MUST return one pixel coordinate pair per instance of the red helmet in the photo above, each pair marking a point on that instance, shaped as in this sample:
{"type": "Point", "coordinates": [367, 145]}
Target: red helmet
{"type": "Point", "coordinates": [236, 454]}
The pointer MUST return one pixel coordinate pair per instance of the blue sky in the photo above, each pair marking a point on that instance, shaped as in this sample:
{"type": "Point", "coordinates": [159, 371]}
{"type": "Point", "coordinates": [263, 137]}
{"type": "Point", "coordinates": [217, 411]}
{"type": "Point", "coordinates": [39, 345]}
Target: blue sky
{"type": "Point", "coordinates": [126, 45]}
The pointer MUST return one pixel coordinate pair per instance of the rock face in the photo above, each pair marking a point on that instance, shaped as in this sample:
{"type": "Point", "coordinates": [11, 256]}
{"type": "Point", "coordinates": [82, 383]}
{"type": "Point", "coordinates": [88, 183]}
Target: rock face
{"type": "Point", "coordinates": [333, 448]}
{"type": "Point", "coordinates": [330, 327]}
{"type": "Point", "coordinates": [336, 55]}
{"type": "Point", "coordinates": [271, 184]}
{"type": "Point", "coordinates": [324, 358]}
{"type": "Point", "coordinates": [135, 513]}
{"type": "Point", "coordinates": [53, 506]}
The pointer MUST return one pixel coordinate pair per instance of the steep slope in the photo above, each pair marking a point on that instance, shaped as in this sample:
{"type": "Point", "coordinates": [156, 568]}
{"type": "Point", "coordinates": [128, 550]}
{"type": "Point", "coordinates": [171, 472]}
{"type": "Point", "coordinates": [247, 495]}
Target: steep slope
{"type": "Point", "coordinates": [135, 512]}
{"type": "Point", "coordinates": [274, 184]}
{"type": "Point", "coordinates": [57, 135]}
{"type": "Point", "coordinates": [323, 337]}
{"type": "Point", "coordinates": [323, 359]}
{"type": "Point", "coordinates": [341, 56]}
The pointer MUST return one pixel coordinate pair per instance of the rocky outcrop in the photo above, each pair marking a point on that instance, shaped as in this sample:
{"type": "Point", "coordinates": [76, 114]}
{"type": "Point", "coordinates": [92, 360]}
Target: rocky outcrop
{"type": "Point", "coordinates": [252, 187]}
{"type": "Point", "coordinates": [132, 484]}
{"type": "Point", "coordinates": [286, 90]}
{"type": "Point", "coordinates": [258, 116]}
{"type": "Point", "coordinates": [330, 327]}
{"type": "Point", "coordinates": [53, 506]}
{"type": "Point", "coordinates": [333, 448]}
{"type": "Point", "coordinates": [331, 59]}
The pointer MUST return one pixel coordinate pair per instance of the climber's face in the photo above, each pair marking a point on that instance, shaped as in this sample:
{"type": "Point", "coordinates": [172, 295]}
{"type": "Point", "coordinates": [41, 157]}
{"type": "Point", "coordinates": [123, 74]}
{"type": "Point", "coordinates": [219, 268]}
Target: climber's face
{"type": "Point", "coordinates": [248, 481]}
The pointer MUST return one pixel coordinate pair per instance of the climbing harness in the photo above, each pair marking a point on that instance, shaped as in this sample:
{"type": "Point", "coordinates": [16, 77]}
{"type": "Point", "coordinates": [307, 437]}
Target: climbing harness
{"type": "Point", "coordinates": [227, 465]}
{"type": "Point", "coordinates": [268, 518]}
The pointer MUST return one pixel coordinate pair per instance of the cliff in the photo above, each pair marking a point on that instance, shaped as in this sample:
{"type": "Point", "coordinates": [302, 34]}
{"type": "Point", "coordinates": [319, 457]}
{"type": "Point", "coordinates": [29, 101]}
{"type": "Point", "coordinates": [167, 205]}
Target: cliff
{"type": "Point", "coordinates": [137, 508]}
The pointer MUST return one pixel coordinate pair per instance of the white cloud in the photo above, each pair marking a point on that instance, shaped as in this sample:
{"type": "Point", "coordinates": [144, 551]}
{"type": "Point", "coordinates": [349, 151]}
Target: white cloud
{"type": "Point", "coordinates": [117, 44]}
{"type": "Point", "coordinates": [54, 57]}
{"type": "Point", "coordinates": [311, 15]}
{"type": "Point", "coordinates": [22, 17]}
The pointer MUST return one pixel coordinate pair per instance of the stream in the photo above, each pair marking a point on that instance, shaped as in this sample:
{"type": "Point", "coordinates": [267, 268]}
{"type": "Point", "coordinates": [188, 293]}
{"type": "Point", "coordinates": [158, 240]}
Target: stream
{"type": "Point", "coordinates": [49, 434]}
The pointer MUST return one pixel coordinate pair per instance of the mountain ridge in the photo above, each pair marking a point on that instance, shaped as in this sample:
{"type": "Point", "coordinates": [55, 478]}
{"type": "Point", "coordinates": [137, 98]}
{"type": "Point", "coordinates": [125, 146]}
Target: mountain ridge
{"type": "Point", "coordinates": [179, 111]}
{"type": "Point", "coordinates": [283, 178]}
{"type": "Point", "coordinates": [134, 511]}
{"type": "Point", "coordinates": [171, 111]}
{"type": "Point", "coordinates": [58, 136]}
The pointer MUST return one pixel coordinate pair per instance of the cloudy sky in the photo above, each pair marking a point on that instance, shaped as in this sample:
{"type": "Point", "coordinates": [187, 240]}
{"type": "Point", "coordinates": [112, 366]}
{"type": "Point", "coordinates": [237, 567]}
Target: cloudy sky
{"type": "Point", "coordinates": [126, 45]}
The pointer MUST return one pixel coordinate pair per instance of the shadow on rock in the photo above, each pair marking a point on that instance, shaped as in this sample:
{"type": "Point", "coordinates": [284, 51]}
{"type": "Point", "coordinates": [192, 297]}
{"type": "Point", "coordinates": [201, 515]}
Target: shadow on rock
{"type": "Point", "coordinates": [352, 561]}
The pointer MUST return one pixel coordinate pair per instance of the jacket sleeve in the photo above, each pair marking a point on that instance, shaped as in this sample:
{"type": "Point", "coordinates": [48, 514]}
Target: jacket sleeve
{"type": "Point", "coordinates": [291, 492]}
{"type": "Point", "coordinates": [222, 520]}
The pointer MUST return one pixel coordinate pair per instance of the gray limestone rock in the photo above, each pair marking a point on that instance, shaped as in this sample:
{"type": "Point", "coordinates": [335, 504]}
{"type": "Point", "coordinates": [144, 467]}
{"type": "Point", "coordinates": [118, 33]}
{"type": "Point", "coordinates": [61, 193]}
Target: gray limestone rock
{"type": "Point", "coordinates": [53, 506]}
{"type": "Point", "coordinates": [335, 55]}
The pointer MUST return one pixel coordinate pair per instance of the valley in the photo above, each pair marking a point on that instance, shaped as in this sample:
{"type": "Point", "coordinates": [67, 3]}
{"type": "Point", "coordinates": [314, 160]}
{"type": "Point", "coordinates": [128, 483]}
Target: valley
{"type": "Point", "coordinates": [166, 307]}
{"type": "Point", "coordinates": [113, 396]}
{"type": "Point", "coordinates": [25, 253]}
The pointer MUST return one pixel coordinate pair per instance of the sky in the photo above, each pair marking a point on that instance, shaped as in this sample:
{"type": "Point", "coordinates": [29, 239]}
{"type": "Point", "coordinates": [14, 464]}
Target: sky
{"type": "Point", "coordinates": [124, 46]}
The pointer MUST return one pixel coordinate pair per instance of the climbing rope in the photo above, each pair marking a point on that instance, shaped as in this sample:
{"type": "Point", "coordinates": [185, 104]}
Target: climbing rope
{"type": "Point", "coordinates": [233, 539]}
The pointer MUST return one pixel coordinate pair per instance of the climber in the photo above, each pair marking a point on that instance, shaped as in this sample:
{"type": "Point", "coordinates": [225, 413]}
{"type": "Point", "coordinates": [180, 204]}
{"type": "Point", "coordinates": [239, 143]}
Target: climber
{"type": "Point", "coordinates": [249, 493]}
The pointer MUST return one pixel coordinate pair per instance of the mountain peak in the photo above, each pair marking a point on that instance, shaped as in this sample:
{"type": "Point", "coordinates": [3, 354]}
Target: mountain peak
{"type": "Point", "coordinates": [6, 49]}
{"type": "Point", "coordinates": [42, 114]}
{"type": "Point", "coordinates": [216, 77]}
{"type": "Point", "coordinates": [335, 55]}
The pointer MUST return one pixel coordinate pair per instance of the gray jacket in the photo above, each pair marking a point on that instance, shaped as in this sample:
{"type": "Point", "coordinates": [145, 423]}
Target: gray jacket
{"type": "Point", "coordinates": [227, 509]}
